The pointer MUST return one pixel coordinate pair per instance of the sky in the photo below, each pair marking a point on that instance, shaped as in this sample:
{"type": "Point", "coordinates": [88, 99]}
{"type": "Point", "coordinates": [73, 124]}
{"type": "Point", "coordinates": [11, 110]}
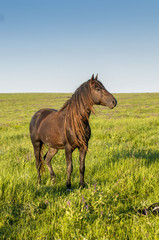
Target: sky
{"type": "Point", "coordinates": [56, 45]}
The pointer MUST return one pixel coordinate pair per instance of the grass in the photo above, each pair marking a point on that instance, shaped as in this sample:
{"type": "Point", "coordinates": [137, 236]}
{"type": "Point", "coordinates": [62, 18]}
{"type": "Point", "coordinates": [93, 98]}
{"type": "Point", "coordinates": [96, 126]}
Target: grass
{"type": "Point", "coordinates": [121, 173]}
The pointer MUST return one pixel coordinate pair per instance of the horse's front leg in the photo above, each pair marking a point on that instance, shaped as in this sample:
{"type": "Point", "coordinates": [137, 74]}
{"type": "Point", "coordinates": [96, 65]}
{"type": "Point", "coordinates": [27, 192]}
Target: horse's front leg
{"type": "Point", "coordinates": [68, 153]}
{"type": "Point", "coordinates": [82, 155]}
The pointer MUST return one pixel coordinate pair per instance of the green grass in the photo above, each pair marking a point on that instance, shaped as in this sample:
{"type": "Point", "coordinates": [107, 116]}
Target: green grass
{"type": "Point", "coordinates": [121, 173]}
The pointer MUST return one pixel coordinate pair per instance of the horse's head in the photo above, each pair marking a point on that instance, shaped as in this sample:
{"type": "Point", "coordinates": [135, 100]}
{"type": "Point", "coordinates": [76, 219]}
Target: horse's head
{"type": "Point", "coordinates": [100, 95]}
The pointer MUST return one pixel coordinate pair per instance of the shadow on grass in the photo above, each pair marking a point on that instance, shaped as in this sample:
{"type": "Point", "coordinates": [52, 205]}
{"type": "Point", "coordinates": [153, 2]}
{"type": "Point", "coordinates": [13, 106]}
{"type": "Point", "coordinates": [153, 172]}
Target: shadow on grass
{"type": "Point", "coordinates": [52, 190]}
{"type": "Point", "coordinates": [56, 190]}
{"type": "Point", "coordinates": [150, 156]}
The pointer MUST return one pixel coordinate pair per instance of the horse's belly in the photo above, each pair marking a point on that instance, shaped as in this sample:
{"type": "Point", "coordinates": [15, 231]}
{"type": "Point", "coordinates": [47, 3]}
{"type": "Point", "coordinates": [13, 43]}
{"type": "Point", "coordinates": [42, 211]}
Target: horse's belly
{"type": "Point", "coordinates": [51, 140]}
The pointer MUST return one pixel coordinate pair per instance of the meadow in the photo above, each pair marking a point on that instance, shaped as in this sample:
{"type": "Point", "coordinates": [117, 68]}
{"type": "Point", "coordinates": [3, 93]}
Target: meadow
{"type": "Point", "coordinates": [122, 173]}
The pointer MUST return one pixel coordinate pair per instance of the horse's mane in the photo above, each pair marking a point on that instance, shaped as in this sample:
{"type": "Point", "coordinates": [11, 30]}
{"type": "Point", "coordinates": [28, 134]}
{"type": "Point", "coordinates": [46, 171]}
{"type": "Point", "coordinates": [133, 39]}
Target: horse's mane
{"type": "Point", "coordinates": [77, 108]}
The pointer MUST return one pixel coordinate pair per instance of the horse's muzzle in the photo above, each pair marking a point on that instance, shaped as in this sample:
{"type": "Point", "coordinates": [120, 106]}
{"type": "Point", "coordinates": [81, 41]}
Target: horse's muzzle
{"type": "Point", "coordinates": [113, 103]}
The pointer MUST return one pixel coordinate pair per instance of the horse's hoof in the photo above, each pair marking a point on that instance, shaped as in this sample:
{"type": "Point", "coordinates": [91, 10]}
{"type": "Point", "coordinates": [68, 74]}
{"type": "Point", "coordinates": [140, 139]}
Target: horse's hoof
{"type": "Point", "coordinates": [68, 186]}
{"type": "Point", "coordinates": [82, 185]}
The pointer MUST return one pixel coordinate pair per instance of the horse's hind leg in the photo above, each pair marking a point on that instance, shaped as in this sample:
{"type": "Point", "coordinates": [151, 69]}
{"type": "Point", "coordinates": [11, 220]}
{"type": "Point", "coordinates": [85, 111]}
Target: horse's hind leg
{"type": "Point", "coordinates": [37, 150]}
{"type": "Point", "coordinates": [51, 152]}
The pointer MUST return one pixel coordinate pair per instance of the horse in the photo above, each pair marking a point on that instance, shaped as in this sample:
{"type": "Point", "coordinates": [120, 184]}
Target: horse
{"type": "Point", "coordinates": [68, 128]}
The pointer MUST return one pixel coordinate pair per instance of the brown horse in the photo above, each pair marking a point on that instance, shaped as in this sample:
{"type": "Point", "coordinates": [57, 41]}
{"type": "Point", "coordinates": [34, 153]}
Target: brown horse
{"type": "Point", "coordinates": [69, 127]}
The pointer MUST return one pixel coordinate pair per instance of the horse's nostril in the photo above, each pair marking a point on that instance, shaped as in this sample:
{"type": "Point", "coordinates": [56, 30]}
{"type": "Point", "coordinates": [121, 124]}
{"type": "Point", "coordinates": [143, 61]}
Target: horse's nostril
{"type": "Point", "coordinates": [114, 102]}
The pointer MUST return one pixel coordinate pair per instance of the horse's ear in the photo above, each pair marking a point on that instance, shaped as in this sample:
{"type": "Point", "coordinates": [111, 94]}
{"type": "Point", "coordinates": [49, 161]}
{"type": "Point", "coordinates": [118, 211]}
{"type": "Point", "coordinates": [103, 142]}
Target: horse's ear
{"type": "Point", "coordinates": [92, 81]}
{"type": "Point", "coordinates": [96, 78]}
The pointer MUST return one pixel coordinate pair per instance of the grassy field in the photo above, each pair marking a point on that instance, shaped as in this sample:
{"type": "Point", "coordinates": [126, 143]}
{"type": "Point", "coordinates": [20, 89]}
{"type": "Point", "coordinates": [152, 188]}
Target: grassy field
{"type": "Point", "coordinates": [122, 173]}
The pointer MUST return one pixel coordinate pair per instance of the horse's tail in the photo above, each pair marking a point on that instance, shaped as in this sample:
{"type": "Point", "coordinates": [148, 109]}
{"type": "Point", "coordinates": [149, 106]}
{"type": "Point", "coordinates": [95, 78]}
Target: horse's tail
{"type": "Point", "coordinates": [42, 169]}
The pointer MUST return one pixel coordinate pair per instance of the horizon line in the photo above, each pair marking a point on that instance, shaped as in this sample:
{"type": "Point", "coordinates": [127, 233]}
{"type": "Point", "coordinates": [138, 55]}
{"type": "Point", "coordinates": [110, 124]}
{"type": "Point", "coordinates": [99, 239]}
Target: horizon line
{"type": "Point", "coordinates": [70, 92]}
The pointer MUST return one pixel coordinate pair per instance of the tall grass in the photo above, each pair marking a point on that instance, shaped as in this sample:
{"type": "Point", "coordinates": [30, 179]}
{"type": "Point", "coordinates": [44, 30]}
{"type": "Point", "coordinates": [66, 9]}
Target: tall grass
{"type": "Point", "coordinates": [121, 173]}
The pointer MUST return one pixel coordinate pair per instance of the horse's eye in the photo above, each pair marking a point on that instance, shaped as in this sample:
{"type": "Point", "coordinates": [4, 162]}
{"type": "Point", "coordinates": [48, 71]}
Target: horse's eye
{"type": "Point", "coordinates": [98, 89]}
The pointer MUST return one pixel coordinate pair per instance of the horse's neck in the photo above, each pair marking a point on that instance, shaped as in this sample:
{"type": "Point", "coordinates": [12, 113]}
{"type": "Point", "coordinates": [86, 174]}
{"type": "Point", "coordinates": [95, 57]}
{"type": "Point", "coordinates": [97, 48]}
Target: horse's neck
{"type": "Point", "coordinates": [85, 117]}
{"type": "Point", "coordinates": [82, 111]}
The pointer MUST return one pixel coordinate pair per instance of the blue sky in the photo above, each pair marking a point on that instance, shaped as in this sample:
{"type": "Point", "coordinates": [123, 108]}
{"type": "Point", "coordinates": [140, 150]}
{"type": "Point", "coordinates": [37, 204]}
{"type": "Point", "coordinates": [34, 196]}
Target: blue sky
{"type": "Point", "coordinates": [55, 45]}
